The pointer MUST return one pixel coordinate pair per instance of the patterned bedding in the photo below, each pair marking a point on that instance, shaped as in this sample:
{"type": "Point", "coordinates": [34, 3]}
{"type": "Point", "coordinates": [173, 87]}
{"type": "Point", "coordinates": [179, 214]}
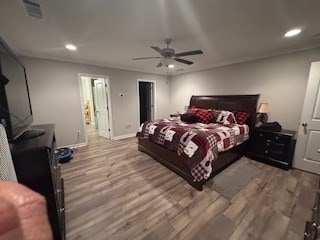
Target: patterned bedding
{"type": "Point", "coordinates": [197, 144]}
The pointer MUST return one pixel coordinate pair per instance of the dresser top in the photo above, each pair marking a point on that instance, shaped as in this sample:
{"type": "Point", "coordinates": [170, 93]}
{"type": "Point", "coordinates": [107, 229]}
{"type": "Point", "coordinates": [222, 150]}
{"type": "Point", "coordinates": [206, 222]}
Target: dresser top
{"type": "Point", "coordinates": [282, 132]}
{"type": "Point", "coordinates": [43, 141]}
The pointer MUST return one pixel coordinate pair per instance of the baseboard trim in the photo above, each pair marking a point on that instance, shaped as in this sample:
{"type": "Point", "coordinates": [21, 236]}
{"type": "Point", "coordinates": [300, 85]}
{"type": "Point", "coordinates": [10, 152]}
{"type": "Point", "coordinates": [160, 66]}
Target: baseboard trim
{"type": "Point", "coordinates": [73, 146]}
{"type": "Point", "coordinates": [78, 145]}
{"type": "Point", "coordinates": [124, 136]}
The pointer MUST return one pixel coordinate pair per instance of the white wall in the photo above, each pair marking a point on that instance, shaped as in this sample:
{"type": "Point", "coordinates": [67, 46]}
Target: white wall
{"type": "Point", "coordinates": [55, 96]}
{"type": "Point", "coordinates": [280, 80]}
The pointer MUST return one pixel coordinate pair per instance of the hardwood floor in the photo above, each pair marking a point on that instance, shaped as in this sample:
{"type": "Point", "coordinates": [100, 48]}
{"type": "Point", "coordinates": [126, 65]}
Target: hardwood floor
{"type": "Point", "coordinates": [113, 191]}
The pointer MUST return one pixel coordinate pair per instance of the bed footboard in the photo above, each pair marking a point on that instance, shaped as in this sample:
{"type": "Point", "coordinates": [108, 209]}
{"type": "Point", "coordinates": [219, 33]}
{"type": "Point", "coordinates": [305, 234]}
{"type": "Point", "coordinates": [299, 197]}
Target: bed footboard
{"type": "Point", "coordinates": [172, 161]}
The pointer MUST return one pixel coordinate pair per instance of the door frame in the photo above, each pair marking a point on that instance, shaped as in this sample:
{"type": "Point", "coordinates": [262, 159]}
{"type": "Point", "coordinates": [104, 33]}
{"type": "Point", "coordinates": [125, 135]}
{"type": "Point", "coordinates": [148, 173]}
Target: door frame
{"type": "Point", "coordinates": [108, 89]}
{"type": "Point", "coordinates": [154, 98]}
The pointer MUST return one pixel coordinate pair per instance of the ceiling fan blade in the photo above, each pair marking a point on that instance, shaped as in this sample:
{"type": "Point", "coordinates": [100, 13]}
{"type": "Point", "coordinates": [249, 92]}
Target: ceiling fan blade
{"type": "Point", "coordinates": [195, 52]}
{"type": "Point", "coordinates": [157, 49]}
{"type": "Point", "coordinates": [183, 61]}
{"type": "Point", "coordinates": [144, 58]}
{"type": "Point", "coordinates": [159, 64]}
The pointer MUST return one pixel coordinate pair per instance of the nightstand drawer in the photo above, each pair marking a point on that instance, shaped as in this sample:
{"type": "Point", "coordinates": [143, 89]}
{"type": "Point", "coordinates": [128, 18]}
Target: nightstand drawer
{"type": "Point", "coordinates": [269, 152]}
{"type": "Point", "coordinates": [271, 137]}
{"type": "Point", "coordinates": [267, 144]}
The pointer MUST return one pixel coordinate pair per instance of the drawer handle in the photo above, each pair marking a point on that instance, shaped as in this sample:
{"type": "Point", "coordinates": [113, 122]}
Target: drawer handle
{"type": "Point", "coordinates": [59, 190]}
{"type": "Point", "coordinates": [261, 135]}
{"type": "Point", "coordinates": [56, 166]}
{"type": "Point", "coordinates": [267, 143]}
{"type": "Point", "coordinates": [277, 137]}
{"type": "Point", "coordinates": [61, 210]}
{"type": "Point", "coordinates": [266, 151]}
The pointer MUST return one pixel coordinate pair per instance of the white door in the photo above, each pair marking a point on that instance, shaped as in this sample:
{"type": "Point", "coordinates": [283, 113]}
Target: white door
{"type": "Point", "coordinates": [101, 105]}
{"type": "Point", "coordinates": [307, 154]}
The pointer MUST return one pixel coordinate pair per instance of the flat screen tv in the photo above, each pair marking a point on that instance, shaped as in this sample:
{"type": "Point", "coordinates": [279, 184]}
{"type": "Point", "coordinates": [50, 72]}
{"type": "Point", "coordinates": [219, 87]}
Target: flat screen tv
{"type": "Point", "coordinates": [15, 104]}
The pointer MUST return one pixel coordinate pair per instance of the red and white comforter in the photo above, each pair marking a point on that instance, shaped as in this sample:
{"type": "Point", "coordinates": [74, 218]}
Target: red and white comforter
{"type": "Point", "coordinates": [197, 144]}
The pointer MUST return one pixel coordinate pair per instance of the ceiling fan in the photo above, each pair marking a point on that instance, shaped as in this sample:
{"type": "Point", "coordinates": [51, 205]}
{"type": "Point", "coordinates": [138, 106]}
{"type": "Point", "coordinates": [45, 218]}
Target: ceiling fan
{"type": "Point", "coordinates": [168, 55]}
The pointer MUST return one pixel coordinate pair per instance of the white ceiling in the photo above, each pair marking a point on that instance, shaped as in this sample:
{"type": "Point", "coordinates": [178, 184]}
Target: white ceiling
{"type": "Point", "coordinates": [112, 32]}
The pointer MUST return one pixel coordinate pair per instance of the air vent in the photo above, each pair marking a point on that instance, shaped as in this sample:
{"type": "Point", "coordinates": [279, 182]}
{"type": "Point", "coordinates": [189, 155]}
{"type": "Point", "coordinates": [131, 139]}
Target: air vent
{"type": "Point", "coordinates": [33, 8]}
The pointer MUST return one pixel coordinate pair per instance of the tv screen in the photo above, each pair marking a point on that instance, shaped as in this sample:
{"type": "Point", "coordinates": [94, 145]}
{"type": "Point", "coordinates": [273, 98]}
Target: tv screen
{"type": "Point", "coordinates": [16, 105]}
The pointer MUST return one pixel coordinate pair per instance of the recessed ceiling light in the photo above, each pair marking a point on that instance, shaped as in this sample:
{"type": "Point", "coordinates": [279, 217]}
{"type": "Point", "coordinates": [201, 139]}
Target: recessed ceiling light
{"type": "Point", "coordinates": [71, 47]}
{"type": "Point", "coordinates": [293, 32]}
{"type": "Point", "coordinates": [170, 66]}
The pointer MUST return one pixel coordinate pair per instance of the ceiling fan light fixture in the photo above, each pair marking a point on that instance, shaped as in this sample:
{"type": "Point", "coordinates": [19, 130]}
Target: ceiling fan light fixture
{"type": "Point", "coordinates": [168, 62]}
{"type": "Point", "coordinates": [71, 47]}
{"type": "Point", "coordinates": [168, 56]}
{"type": "Point", "coordinates": [292, 32]}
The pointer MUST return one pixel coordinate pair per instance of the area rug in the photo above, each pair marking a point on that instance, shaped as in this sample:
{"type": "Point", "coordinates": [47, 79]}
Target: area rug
{"type": "Point", "coordinates": [234, 178]}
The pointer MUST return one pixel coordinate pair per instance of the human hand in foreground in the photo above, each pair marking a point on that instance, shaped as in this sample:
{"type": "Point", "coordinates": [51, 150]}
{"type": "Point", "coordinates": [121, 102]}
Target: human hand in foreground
{"type": "Point", "coordinates": [23, 214]}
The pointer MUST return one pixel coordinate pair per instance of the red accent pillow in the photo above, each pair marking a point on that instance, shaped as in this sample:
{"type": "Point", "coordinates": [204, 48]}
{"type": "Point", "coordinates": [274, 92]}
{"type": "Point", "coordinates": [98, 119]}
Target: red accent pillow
{"type": "Point", "coordinates": [192, 110]}
{"type": "Point", "coordinates": [241, 117]}
{"type": "Point", "coordinates": [205, 115]}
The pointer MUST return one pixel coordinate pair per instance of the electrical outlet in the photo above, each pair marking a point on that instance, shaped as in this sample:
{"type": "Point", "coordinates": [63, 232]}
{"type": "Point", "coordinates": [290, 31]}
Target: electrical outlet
{"type": "Point", "coordinates": [78, 133]}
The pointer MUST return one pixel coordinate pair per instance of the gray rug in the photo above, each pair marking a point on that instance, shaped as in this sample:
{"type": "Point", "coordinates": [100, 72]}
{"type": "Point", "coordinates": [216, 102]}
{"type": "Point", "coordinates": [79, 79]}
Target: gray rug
{"type": "Point", "coordinates": [234, 178]}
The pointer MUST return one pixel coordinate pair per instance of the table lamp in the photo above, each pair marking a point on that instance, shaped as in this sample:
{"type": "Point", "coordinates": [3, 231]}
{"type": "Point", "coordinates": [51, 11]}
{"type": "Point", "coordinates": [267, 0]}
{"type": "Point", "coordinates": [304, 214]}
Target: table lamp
{"type": "Point", "coordinates": [262, 112]}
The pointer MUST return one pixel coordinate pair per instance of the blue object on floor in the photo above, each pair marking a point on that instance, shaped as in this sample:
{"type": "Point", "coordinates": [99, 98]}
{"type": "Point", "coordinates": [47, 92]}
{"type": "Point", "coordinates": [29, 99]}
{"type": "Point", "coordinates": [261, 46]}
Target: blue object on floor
{"type": "Point", "coordinates": [64, 155]}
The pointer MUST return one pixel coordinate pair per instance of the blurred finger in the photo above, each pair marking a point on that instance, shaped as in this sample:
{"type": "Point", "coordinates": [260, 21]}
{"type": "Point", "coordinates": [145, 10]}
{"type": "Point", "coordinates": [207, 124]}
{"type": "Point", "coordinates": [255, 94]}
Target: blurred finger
{"type": "Point", "coordinates": [10, 227]}
{"type": "Point", "coordinates": [31, 209]}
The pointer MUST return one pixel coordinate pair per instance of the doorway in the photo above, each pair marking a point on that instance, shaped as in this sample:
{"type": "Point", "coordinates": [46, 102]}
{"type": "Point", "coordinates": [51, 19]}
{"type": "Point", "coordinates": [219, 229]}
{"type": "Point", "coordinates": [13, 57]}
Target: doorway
{"type": "Point", "coordinates": [96, 102]}
{"type": "Point", "coordinates": [146, 92]}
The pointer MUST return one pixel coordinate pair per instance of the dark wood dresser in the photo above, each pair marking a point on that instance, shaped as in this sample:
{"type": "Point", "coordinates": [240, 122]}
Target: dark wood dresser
{"type": "Point", "coordinates": [37, 167]}
{"type": "Point", "coordinates": [274, 148]}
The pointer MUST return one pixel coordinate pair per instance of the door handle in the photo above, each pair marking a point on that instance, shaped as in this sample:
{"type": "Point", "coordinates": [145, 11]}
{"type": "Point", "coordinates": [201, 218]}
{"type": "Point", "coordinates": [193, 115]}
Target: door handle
{"type": "Point", "coordinates": [318, 150]}
{"type": "Point", "coordinates": [304, 124]}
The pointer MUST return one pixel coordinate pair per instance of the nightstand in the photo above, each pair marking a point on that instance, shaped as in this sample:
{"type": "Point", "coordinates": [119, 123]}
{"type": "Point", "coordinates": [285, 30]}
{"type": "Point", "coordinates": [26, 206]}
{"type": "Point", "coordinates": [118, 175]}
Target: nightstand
{"type": "Point", "coordinates": [274, 148]}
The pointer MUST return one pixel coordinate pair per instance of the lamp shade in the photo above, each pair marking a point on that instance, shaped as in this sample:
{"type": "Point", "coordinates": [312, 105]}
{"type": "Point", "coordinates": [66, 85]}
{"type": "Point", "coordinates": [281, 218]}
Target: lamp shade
{"type": "Point", "coordinates": [263, 108]}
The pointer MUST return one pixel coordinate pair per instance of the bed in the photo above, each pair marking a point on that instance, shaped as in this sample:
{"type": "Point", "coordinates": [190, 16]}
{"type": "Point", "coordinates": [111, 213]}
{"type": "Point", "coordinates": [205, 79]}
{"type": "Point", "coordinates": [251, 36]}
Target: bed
{"type": "Point", "coordinates": [171, 160]}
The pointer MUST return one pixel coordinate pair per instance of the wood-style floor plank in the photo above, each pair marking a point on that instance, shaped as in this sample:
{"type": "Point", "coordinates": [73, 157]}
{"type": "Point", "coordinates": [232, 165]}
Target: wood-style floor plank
{"type": "Point", "coordinates": [114, 191]}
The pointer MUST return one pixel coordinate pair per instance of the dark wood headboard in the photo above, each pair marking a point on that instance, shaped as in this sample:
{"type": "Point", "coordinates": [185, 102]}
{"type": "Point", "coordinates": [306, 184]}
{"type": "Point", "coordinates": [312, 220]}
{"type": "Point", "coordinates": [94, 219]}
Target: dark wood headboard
{"type": "Point", "coordinates": [247, 103]}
